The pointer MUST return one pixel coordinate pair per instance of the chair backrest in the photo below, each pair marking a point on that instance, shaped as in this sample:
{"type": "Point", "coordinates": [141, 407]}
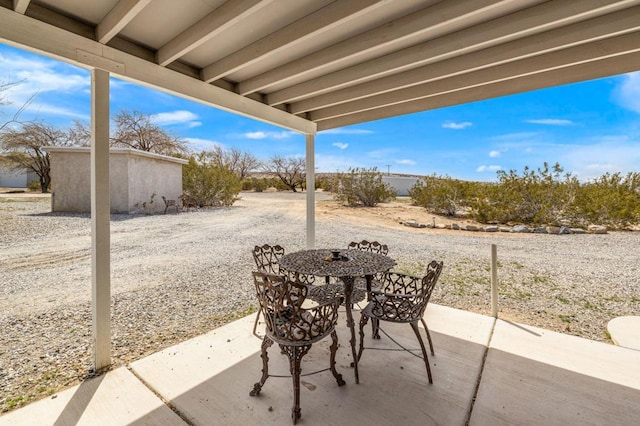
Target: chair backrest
{"type": "Point", "coordinates": [267, 258]}
{"type": "Point", "coordinates": [418, 287]}
{"type": "Point", "coordinates": [287, 322]}
{"type": "Point", "coordinates": [372, 246]}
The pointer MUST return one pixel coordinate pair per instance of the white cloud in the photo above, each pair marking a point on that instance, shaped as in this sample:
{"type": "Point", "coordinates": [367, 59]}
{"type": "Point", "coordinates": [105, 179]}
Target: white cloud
{"type": "Point", "coordinates": [551, 121]}
{"type": "Point", "coordinates": [176, 117]}
{"type": "Point", "coordinates": [32, 76]}
{"type": "Point", "coordinates": [39, 108]}
{"type": "Point", "coordinates": [627, 93]}
{"type": "Point", "coordinates": [607, 155]}
{"type": "Point", "coordinates": [43, 83]}
{"type": "Point", "coordinates": [381, 154]}
{"type": "Point", "coordinates": [406, 162]}
{"type": "Point", "coordinates": [456, 126]}
{"type": "Point", "coordinates": [340, 145]}
{"type": "Point", "coordinates": [492, 168]}
{"type": "Point", "coordinates": [494, 154]}
{"type": "Point", "coordinates": [343, 131]}
{"type": "Point", "coordinates": [515, 137]}
{"type": "Point", "coordinates": [199, 144]}
{"type": "Point", "coordinates": [268, 135]}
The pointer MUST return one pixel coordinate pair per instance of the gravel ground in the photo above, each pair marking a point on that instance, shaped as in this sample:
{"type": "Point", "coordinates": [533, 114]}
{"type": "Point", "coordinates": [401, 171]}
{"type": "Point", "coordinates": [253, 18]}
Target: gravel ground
{"type": "Point", "coordinates": [177, 276]}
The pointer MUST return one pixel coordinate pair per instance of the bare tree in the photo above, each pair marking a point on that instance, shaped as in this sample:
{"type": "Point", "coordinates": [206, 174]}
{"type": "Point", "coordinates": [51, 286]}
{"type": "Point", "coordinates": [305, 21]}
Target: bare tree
{"type": "Point", "coordinates": [243, 162]}
{"type": "Point", "coordinates": [240, 162]}
{"type": "Point", "coordinates": [4, 87]}
{"type": "Point", "coordinates": [290, 171]}
{"type": "Point", "coordinates": [26, 148]}
{"type": "Point", "coordinates": [135, 130]}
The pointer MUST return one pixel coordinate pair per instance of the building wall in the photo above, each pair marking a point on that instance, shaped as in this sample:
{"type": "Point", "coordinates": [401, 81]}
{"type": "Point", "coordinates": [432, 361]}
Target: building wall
{"type": "Point", "coordinates": [11, 178]}
{"type": "Point", "coordinates": [401, 184]}
{"type": "Point", "coordinates": [134, 177]}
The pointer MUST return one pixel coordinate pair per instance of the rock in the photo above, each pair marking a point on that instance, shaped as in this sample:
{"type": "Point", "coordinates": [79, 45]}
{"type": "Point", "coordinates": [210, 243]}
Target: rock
{"type": "Point", "coordinates": [540, 230]}
{"type": "Point", "coordinates": [413, 224]}
{"type": "Point", "coordinates": [505, 229]}
{"type": "Point", "coordinates": [565, 230]}
{"type": "Point", "coordinates": [553, 230]}
{"type": "Point", "coordinates": [491, 228]}
{"type": "Point", "coordinates": [521, 228]}
{"type": "Point", "coordinates": [577, 231]}
{"type": "Point", "coordinates": [441, 226]}
{"type": "Point", "coordinates": [597, 229]}
{"type": "Point", "coordinates": [472, 228]}
{"type": "Point", "coordinates": [455, 226]}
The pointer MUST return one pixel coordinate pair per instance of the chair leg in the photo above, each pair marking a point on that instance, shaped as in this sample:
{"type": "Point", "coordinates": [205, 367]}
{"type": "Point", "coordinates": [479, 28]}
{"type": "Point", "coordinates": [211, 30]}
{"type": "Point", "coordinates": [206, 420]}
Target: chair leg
{"type": "Point", "coordinates": [255, 324]}
{"type": "Point", "coordinates": [363, 321]}
{"type": "Point", "coordinates": [416, 330]}
{"type": "Point", "coordinates": [295, 354]}
{"type": "Point", "coordinates": [332, 361]}
{"type": "Point", "coordinates": [424, 323]}
{"type": "Point", "coordinates": [375, 328]}
{"type": "Point", "coordinates": [266, 343]}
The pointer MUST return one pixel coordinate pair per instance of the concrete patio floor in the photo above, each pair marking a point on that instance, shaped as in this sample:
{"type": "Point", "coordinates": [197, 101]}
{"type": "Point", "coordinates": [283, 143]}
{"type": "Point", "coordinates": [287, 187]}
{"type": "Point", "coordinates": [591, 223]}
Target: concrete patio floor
{"type": "Point", "coordinates": [485, 372]}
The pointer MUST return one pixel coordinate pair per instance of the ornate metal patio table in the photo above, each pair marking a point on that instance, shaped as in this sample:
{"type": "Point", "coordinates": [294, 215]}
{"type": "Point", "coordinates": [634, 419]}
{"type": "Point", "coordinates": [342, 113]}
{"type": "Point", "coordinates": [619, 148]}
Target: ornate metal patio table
{"type": "Point", "coordinates": [339, 263]}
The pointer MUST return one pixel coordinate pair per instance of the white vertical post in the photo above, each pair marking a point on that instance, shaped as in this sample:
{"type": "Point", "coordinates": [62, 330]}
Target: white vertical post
{"type": "Point", "coordinates": [311, 192]}
{"type": "Point", "coordinates": [100, 215]}
{"type": "Point", "coordinates": [494, 280]}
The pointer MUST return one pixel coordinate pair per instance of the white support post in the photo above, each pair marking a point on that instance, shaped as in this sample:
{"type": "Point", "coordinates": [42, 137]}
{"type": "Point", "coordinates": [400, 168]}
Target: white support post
{"type": "Point", "coordinates": [494, 280]}
{"type": "Point", "coordinates": [100, 215]}
{"type": "Point", "coordinates": [311, 192]}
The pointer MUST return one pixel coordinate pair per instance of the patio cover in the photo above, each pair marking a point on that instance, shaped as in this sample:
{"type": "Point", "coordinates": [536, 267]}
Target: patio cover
{"type": "Point", "coordinates": [315, 65]}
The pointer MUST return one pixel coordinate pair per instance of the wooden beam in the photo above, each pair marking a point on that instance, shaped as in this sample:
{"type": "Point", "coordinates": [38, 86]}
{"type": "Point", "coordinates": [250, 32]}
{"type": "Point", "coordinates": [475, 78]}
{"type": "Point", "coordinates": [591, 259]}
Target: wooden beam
{"type": "Point", "coordinates": [564, 58]}
{"type": "Point", "coordinates": [583, 32]}
{"type": "Point", "coordinates": [527, 22]}
{"type": "Point", "coordinates": [117, 18]}
{"type": "Point", "coordinates": [321, 21]}
{"type": "Point", "coordinates": [25, 32]}
{"type": "Point", "coordinates": [556, 77]}
{"type": "Point", "coordinates": [430, 20]}
{"type": "Point", "coordinates": [225, 16]}
{"type": "Point", "coordinates": [527, 67]}
{"type": "Point", "coordinates": [21, 6]}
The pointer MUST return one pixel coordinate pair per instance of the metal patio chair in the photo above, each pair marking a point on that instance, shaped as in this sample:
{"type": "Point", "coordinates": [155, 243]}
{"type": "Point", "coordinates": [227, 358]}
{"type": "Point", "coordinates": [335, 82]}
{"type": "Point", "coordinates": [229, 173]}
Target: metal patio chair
{"type": "Point", "coordinates": [402, 298]}
{"type": "Point", "coordinates": [266, 258]}
{"type": "Point", "coordinates": [293, 328]}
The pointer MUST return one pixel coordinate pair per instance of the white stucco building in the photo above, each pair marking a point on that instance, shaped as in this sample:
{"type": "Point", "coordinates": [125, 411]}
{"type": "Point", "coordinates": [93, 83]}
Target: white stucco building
{"type": "Point", "coordinates": [136, 179]}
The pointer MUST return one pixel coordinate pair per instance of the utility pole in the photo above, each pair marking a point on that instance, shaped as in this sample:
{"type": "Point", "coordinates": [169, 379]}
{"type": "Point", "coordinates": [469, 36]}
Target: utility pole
{"type": "Point", "coordinates": [388, 169]}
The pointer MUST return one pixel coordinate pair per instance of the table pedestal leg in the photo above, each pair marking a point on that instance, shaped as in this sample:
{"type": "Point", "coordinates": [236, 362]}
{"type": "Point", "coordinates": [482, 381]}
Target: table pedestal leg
{"type": "Point", "coordinates": [348, 290]}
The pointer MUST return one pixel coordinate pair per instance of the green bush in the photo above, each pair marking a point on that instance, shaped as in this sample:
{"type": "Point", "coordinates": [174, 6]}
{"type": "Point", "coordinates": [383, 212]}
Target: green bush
{"type": "Point", "coordinates": [362, 187]}
{"type": "Point", "coordinates": [541, 196]}
{"type": "Point", "coordinates": [612, 200]}
{"type": "Point", "coordinates": [206, 184]}
{"type": "Point", "coordinates": [34, 186]}
{"type": "Point", "coordinates": [441, 195]}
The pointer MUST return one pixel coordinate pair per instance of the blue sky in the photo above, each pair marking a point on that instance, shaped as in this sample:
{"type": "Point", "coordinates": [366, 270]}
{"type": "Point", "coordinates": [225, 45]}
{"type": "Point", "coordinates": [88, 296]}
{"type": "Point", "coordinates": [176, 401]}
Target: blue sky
{"type": "Point", "coordinates": [590, 128]}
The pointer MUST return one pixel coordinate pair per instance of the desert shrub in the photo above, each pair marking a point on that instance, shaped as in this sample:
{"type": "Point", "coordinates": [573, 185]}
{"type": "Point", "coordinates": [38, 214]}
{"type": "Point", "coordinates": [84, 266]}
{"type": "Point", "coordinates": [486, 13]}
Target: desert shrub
{"type": "Point", "coordinates": [541, 196]}
{"type": "Point", "coordinates": [441, 195]}
{"type": "Point", "coordinates": [255, 184]}
{"type": "Point", "coordinates": [612, 200]}
{"type": "Point", "coordinates": [363, 187]}
{"type": "Point", "coordinates": [326, 183]}
{"type": "Point", "coordinates": [209, 185]}
{"type": "Point", "coordinates": [34, 186]}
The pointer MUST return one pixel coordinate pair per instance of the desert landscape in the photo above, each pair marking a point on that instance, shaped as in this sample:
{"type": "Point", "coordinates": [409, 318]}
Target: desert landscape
{"type": "Point", "coordinates": [176, 276]}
